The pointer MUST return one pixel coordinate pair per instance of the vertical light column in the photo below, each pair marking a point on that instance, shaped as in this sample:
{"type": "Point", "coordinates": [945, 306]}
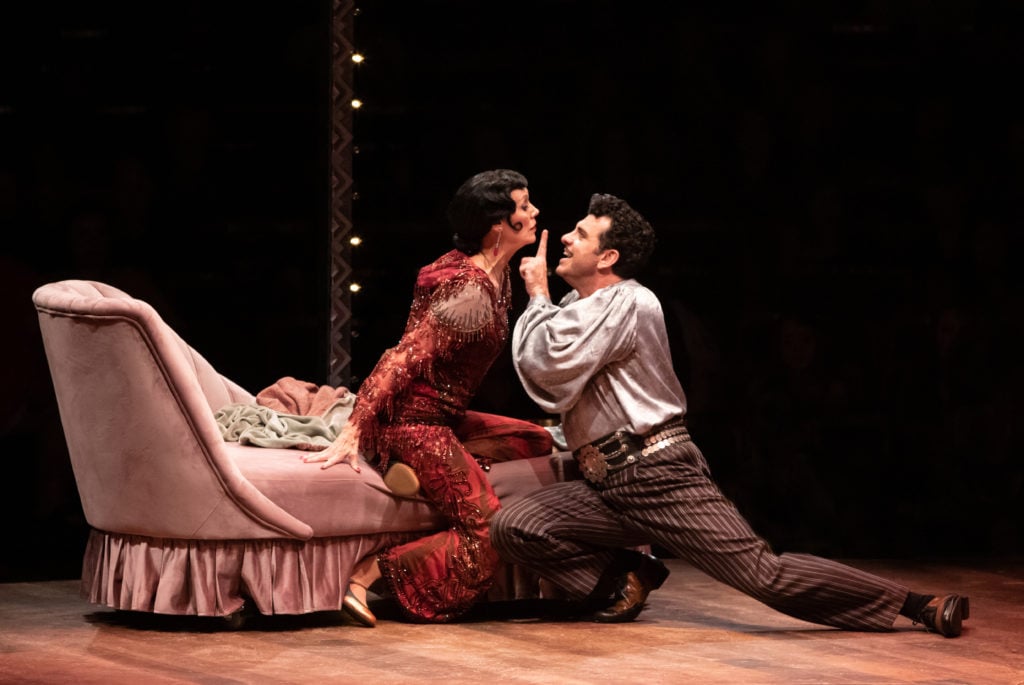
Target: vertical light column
{"type": "Point", "coordinates": [339, 344]}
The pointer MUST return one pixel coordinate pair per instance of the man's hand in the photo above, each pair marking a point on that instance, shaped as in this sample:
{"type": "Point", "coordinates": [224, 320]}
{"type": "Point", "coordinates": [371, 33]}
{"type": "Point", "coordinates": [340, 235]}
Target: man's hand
{"type": "Point", "coordinates": [344, 448]}
{"type": "Point", "coordinates": [534, 270]}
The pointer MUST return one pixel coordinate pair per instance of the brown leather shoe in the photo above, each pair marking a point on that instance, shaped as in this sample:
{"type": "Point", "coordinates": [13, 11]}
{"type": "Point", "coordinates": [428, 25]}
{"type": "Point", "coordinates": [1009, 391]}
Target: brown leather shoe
{"type": "Point", "coordinates": [632, 578]}
{"type": "Point", "coordinates": [632, 599]}
{"type": "Point", "coordinates": [944, 615]}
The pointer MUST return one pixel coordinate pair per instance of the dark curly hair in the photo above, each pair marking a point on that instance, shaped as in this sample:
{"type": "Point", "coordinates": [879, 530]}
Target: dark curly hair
{"type": "Point", "coordinates": [629, 233]}
{"type": "Point", "coordinates": [482, 201]}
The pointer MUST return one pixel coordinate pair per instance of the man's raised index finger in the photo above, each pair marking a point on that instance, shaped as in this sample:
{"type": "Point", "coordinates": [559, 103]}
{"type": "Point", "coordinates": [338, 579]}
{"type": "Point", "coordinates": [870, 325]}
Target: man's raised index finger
{"type": "Point", "coordinates": [542, 244]}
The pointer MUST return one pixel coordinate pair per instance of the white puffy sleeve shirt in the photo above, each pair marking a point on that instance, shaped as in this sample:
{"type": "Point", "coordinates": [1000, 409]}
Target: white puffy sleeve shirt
{"type": "Point", "coordinates": [602, 362]}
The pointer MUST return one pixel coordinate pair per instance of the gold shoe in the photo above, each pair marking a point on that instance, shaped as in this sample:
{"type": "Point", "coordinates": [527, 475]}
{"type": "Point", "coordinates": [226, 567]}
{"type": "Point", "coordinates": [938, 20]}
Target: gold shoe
{"type": "Point", "coordinates": [357, 611]}
{"type": "Point", "coordinates": [402, 480]}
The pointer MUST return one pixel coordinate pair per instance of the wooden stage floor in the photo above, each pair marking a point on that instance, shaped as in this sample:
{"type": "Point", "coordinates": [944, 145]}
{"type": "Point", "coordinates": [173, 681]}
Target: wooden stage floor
{"type": "Point", "coordinates": [694, 631]}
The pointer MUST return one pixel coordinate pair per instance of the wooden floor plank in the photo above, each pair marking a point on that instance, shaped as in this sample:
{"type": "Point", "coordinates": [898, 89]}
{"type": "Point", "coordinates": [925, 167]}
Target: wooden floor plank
{"type": "Point", "coordinates": [694, 631]}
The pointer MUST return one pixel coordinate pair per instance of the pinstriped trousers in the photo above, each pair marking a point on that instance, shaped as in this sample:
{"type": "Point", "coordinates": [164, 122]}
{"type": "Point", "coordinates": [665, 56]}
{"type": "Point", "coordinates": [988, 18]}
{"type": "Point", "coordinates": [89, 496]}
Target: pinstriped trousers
{"type": "Point", "coordinates": [570, 532]}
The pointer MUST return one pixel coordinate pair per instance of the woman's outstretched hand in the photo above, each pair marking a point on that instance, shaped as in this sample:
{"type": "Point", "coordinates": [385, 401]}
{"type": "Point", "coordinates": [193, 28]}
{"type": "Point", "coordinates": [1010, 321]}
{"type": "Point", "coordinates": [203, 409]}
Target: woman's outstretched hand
{"type": "Point", "coordinates": [344, 448]}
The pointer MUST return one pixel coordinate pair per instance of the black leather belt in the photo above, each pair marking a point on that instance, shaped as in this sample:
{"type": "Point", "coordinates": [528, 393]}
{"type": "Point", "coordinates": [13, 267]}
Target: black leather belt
{"type": "Point", "coordinates": [620, 449]}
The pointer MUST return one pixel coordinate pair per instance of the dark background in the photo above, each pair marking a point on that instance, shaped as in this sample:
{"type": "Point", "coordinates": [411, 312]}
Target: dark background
{"type": "Point", "coordinates": [835, 192]}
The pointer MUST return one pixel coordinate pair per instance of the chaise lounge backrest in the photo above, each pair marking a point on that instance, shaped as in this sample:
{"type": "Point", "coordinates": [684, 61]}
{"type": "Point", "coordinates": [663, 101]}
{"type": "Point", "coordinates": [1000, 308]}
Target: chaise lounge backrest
{"type": "Point", "coordinates": [137, 404]}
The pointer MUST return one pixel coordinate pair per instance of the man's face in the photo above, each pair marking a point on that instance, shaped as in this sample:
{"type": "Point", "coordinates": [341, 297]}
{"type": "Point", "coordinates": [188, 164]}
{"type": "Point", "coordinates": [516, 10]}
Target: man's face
{"type": "Point", "coordinates": [581, 250]}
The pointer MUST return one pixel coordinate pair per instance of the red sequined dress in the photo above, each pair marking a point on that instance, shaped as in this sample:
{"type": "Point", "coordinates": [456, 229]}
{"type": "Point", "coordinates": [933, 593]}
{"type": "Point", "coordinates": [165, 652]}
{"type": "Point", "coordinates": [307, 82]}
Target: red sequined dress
{"type": "Point", "coordinates": [412, 407]}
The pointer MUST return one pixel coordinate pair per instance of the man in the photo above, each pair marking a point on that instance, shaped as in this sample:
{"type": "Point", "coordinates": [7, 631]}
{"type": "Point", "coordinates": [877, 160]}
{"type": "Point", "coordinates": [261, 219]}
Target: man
{"type": "Point", "coordinates": [601, 359]}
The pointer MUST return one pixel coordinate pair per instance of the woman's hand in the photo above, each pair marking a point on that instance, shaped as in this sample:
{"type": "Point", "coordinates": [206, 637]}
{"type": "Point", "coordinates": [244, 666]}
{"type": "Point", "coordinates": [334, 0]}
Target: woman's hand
{"type": "Point", "coordinates": [344, 448]}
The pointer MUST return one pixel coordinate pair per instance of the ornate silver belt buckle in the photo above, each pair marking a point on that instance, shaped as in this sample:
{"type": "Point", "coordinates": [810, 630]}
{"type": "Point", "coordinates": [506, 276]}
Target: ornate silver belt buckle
{"type": "Point", "coordinates": [592, 464]}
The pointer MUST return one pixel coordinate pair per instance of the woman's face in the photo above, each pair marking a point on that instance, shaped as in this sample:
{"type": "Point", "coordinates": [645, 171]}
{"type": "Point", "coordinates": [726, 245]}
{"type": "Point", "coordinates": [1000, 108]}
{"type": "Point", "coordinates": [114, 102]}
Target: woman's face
{"type": "Point", "coordinates": [524, 219]}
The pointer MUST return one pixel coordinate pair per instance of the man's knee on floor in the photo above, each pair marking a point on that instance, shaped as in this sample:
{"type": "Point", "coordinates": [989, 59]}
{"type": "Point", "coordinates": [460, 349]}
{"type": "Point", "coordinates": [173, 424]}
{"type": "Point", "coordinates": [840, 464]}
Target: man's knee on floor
{"type": "Point", "coordinates": [508, 535]}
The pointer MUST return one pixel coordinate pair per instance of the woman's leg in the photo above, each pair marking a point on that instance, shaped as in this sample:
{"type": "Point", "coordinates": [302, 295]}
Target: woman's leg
{"type": "Point", "coordinates": [438, 577]}
{"type": "Point", "coordinates": [494, 438]}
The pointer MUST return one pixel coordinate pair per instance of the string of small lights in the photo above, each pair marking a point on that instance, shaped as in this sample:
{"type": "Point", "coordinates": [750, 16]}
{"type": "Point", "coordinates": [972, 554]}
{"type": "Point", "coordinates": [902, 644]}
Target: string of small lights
{"type": "Point", "coordinates": [355, 240]}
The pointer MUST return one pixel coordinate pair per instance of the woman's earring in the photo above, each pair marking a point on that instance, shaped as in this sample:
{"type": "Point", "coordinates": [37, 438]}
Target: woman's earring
{"type": "Point", "coordinates": [494, 250]}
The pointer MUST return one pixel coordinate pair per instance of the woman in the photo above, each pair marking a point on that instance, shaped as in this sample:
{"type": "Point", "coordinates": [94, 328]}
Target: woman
{"type": "Point", "coordinates": [411, 407]}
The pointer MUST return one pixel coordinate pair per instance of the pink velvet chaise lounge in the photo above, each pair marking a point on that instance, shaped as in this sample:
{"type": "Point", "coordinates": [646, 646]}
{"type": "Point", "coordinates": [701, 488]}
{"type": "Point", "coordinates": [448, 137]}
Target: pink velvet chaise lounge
{"type": "Point", "coordinates": [183, 522]}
